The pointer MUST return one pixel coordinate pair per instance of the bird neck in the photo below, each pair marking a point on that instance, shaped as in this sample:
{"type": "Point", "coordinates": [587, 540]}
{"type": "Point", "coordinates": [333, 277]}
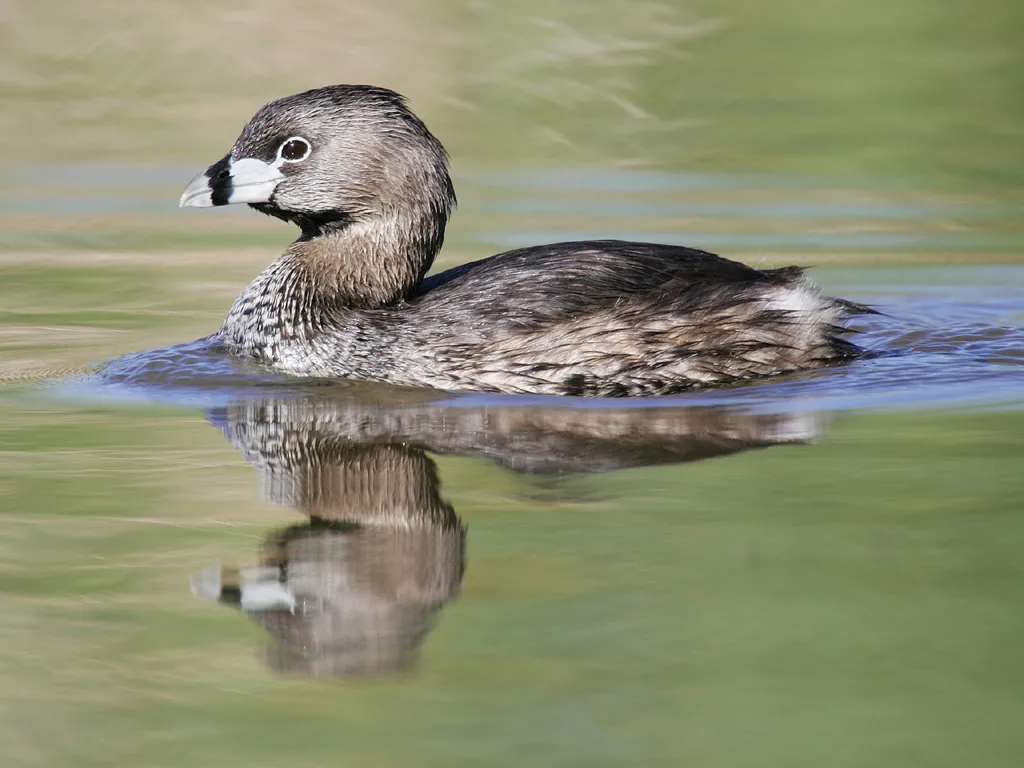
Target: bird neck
{"type": "Point", "coordinates": [312, 288]}
{"type": "Point", "coordinates": [366, 263]}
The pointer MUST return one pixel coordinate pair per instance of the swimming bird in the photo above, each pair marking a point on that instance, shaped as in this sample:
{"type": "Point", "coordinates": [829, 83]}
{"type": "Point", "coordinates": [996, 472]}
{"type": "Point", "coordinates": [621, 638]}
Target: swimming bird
{"type": "Point", "coordinates": [368, 186]}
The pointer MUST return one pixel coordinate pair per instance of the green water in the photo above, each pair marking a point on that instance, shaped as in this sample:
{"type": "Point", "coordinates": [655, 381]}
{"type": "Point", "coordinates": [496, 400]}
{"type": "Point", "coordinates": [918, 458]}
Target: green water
{"type": "Point", "coordinates": [819, 571]}
{"type": "Point", "coordinates": [850, 602]}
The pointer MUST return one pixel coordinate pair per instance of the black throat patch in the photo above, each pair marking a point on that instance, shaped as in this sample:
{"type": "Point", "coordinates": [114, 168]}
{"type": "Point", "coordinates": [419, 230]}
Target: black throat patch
{"type": "Point", "coordinates": [312, 223]}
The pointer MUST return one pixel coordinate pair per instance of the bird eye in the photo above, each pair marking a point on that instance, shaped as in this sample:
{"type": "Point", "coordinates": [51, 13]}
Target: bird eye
{"type": "Point", "coordinates": [294, 149]}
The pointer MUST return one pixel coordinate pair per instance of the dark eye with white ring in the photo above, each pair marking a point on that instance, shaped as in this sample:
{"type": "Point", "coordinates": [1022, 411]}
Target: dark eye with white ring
{"type": "Point", "coordinates": [294, 149]}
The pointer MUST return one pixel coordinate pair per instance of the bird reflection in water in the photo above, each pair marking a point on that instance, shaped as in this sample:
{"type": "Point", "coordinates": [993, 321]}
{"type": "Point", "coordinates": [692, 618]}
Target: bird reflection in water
{"type": "Point", "coordinates": [355, 590]}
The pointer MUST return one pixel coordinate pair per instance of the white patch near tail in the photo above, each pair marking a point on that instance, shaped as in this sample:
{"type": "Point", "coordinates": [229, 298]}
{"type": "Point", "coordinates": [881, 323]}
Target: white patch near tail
{"type": "Point", "coordinates": [804, 302]}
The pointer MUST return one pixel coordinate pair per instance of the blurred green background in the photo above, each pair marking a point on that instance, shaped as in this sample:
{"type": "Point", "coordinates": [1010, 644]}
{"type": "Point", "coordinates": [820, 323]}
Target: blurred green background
{"type": "Point", "coordinates": [910, 111]}
{"type": "Point", "coordinates": [914, 92]}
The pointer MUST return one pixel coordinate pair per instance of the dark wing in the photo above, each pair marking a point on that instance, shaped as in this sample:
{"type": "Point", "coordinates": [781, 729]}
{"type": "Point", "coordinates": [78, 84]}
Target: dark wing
{"type": "Point", "coordinates": [554, 282]}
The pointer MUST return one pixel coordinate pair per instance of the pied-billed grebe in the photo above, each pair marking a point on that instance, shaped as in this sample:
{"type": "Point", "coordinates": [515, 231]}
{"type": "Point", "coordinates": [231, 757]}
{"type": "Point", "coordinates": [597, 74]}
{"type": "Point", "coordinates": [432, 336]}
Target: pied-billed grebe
{"type": "Point", "coordinates": [368, 185]}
